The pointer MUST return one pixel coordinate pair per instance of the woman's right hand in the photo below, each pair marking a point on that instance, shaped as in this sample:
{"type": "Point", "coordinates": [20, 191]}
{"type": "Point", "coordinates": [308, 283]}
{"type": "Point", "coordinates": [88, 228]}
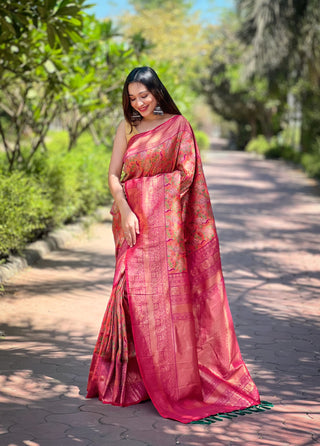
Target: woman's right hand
{"type": "Point", "coordinates": [130, 226]}
{"type": "Point", "coordinates": [129, 221]}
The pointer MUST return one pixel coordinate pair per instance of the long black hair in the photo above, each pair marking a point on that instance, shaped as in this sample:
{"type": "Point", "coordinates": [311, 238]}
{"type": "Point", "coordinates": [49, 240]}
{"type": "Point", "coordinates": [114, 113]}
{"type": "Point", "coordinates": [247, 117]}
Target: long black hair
{"type": "Point", "coordinates": [148, 77]}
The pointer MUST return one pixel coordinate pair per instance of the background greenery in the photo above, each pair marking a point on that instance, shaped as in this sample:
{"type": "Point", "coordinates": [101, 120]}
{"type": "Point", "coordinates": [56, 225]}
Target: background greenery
{"type": "Point", "coordinates": [254, 78]}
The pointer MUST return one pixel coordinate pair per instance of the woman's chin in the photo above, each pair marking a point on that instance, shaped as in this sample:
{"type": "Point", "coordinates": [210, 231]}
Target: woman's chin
{"type": "Point", "coordinates": [145, 113]}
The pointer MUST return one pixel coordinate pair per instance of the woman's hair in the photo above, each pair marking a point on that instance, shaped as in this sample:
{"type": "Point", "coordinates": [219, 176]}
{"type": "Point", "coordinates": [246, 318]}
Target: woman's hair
{"type": "Point", "coordinates": [148, 77]}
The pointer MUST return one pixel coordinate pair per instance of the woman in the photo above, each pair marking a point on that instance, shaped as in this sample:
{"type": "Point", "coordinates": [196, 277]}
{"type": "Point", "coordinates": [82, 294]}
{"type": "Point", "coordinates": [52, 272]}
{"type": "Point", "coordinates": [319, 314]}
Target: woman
{"type": "Point", "coordinates": [167, 333]}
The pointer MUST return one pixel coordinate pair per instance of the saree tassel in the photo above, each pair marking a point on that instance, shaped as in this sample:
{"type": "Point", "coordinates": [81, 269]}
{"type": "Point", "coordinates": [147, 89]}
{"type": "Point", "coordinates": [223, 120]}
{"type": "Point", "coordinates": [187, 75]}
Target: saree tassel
{"type": "Point", "coordinates": [262, 407]}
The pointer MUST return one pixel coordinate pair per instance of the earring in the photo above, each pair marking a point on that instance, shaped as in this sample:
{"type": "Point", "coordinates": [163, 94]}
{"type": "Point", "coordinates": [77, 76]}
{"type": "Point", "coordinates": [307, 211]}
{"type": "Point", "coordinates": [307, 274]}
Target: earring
{"type": "Point", "coordinates": [136, 116]}
{"type": "Point", "coordinates": [158, 110]}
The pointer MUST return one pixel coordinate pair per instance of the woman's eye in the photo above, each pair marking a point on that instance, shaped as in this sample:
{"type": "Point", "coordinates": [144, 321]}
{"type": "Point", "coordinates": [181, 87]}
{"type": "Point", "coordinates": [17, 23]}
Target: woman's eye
{"type": "Point", "coordinates": [132, 99]}
{"type": "Point", "coordinates": [143, 97]}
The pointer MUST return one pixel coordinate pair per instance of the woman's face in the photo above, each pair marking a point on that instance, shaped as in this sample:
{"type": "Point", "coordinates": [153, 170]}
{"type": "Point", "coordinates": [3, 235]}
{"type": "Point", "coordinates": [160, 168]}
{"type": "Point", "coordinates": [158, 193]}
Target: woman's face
{"type": "Point", "coordinates": [141, 99]}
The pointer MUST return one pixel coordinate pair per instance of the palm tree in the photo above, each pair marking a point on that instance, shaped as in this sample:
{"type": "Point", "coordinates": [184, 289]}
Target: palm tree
{"type": "Point", "coordinates": [282, 35]}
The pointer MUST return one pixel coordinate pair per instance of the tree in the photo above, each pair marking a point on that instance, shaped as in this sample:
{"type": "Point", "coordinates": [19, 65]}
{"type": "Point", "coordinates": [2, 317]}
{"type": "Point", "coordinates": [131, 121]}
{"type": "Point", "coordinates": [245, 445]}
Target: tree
{"type": "Point", "coordinates": [174, 44]}
{"type": "Point", "coordinates": [80, 88]}
{"type": "Point", "coordinates": [282, 34]}
{"type": "Point", "coordinates": [249, 103]}
{"type": "Point", "coordinates": [141, 5]}
{"type": "Point", "coordinates": [93, 75]}
{"type": "Point", "coordinates": [283, 40]}
{"type": "Point", "coordinates": [31, 35]}
{"type": "Point", "coordinates": [27, 102]}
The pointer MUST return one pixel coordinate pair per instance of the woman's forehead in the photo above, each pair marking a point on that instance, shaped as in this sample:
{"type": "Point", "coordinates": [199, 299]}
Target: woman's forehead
{"type": "Point", "coordinates": [135, 88]}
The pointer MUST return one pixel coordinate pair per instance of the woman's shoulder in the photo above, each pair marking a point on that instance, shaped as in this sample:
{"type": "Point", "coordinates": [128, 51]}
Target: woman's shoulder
{"type": "Point", "coordinates": [121, 127]}
{"type": "Point", "coordinates": [125, 127]}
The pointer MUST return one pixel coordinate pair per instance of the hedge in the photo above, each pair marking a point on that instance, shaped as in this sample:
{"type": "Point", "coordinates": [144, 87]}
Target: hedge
{"type": "Point", "coordinates": [25, 211]}
{"type": "Point", "coordinates": [309, 161]}
{"type": "Point", "coordinates": [203, 140]}
{"type": "Point", "coordinates": [59, 187]}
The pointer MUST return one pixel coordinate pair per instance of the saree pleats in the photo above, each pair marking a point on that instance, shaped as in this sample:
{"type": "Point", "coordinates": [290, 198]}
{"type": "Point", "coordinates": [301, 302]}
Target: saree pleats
{"type": "Point", "coordinates": [114, 373]}
{"type": "Point", "coordinates": [178, 346]}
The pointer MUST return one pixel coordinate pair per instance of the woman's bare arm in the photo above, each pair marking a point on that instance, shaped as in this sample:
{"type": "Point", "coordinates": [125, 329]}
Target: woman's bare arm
{"type": "Point", "coordinates": [129, 220]}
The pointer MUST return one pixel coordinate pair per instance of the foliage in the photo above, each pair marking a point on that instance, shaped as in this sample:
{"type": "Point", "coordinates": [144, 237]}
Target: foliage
{"type": "Point", "coordinates": [25, 211]}
{"type": "Point", "coordinates": [92, 87]}
{"type": "Point", "coordinates": [264, 72]}
{"type": "Point", "coordinates": [27, 104]}
{"type": "Point", "coordinates": [61, 20]}
{"type": "Point", "coordinates": [203, 140]}
{"type": "Point", "coordinates": [273, 149]}
{"type": "Point", "coordinates": [311, 161]}
{"type": "Point", "coordinates": [79, 89]}
{"type": "Point", "coordinates": [76, 181]}
{"type": "Point", "coordinates": [249, 103]}
{"type": "Point", "coordinates": [57, 188]}
{"type": "Point", "coordinates": [31, 35]}
{"type": "Point", "coordinates": [260, 145]}
{"type": "Point", "coordinates": [282, 38]}
{"type": "Point", "coordinates": [284, 35]}
{"type": "Point", "coordinates": [175, 45]}
{"type": "Point", "coordinates": [141, 5]}
{"type": "Point", "coordinates": [310, 128]}
{"type": "Point", "coordinates": [288, 153]}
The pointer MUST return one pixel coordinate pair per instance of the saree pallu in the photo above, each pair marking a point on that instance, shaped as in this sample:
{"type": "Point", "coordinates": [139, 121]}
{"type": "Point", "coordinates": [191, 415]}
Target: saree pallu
{"type": "Point", "coordinates": [167, 333]}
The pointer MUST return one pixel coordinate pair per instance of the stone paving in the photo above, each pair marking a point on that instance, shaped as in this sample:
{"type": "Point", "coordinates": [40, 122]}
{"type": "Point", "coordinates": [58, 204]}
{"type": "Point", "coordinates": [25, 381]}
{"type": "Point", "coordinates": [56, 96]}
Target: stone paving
{"type": "Point", "coordinates": [268, 219]}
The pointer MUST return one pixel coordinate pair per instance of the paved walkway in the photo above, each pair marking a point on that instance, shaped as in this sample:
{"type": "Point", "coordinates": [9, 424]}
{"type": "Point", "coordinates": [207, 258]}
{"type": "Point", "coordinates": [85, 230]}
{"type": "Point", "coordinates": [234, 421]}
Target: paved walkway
{"type": "Point", "coordinates": [268, 219]}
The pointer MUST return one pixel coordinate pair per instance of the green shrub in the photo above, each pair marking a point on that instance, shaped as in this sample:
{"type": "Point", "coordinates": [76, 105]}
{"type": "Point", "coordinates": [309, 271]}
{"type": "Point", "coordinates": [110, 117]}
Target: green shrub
{"type": "Point", "coordinates": [258, 145]}
{"type": "Point", "coordinates": [60, 177]}
{"type": "Point", "coordinates": [272, 149]}
{"type": "Point", "coordinates": [202, 140]}
{"type": "Point", "coordinates": [76, 181]}
{"type": "Point", "coordinates": [25, 211]}
{"type": "Point", "coordinates": [311, 161]}
{"type": "Point", "coordinates": [58, 187]}
{"type": "Point", "coordinates": [93, 179]}
{"type": "Point", "coordinates": [284, 152]}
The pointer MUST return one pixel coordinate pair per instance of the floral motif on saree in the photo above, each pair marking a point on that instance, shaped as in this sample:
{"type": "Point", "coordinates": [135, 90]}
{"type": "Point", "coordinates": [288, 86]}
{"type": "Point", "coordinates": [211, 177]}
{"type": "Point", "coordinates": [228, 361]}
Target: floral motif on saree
{"type": "Point", "coordinates": [168, 333]}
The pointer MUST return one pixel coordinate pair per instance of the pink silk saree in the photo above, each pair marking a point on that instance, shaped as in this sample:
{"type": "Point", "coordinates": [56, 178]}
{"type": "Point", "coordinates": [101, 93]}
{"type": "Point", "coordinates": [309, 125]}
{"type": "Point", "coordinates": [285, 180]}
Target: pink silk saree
{"type": "Point", "coordinates": [168, 333]}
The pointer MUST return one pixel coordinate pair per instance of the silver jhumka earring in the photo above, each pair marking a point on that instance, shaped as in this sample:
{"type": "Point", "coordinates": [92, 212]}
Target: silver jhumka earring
{"type": "Point", "coordinates": [158, 110]}
{"type": "Point", "coordinates": [136, 116]}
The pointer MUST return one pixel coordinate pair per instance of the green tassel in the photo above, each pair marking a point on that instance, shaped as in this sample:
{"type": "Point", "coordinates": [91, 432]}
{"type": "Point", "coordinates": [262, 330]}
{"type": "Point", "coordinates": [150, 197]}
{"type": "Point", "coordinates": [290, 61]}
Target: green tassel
{"type": "Point", "coordinates": [265, 405]}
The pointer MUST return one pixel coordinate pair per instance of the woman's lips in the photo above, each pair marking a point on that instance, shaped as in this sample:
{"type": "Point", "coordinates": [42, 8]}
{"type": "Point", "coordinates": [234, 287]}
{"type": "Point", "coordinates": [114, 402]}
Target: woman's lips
{"type": "Point", "coordinates": [143, 109]}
